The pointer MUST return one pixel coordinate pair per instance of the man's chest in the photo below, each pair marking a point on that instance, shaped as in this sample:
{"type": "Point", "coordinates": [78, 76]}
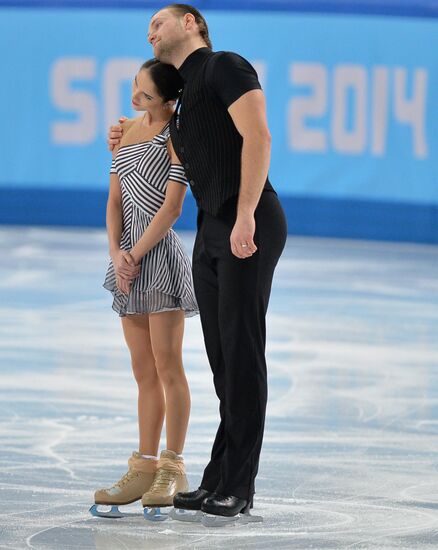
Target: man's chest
{"type": "Point", "coordinates": [197, 98]}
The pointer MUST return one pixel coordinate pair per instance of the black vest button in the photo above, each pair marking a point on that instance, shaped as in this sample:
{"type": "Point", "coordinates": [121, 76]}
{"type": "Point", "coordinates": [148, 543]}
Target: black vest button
{"type": "Point", "coordinates": [192, 183]}
{"type": "Point", "coordinates": [186, 165]}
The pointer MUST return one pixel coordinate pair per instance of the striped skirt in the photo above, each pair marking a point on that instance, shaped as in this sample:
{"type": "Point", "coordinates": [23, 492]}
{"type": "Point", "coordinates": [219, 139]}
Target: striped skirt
{"type": "Point", "coordinates": [165, 281]}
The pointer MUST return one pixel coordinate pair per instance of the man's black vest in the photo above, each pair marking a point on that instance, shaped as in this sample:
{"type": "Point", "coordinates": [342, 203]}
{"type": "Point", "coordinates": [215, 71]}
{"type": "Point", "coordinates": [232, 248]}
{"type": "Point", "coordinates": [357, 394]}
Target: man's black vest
{"type": "Point", "coordinates": [206, 140]}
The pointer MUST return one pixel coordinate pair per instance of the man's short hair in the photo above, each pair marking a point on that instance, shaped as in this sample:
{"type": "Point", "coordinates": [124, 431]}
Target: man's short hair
{"type": "Point", "coordinates": [182, 9]}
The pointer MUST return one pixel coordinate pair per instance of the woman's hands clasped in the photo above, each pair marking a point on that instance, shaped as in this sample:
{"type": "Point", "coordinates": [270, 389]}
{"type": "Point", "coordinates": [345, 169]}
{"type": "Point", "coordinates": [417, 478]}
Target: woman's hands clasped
{"type": "Point", "coordinates": [125, 268]}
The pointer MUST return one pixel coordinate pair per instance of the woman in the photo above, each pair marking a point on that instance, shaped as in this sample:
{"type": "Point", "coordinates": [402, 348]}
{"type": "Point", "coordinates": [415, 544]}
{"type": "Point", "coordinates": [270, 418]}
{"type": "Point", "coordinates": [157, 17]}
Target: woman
{"type": "Point", "coordinates": [150, 279]}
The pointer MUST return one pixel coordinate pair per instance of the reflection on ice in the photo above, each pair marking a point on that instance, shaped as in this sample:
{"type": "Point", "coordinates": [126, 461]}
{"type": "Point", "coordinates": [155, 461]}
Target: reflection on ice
{"type": "Point", "coordinates": [350, 452]}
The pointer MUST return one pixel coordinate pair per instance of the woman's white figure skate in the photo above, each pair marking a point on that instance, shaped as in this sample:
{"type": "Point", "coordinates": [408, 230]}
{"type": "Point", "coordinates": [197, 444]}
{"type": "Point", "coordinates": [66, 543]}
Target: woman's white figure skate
{"type": "Point", "coordinates": [169, 480]}
{"type": "Point", "coordinates": [130, 488]}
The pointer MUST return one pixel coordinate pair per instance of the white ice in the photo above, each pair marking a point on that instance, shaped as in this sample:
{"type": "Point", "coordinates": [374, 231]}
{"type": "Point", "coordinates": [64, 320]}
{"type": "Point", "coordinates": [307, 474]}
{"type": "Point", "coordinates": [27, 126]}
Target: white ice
{"type": "Point", "coordinates": [350, 453]}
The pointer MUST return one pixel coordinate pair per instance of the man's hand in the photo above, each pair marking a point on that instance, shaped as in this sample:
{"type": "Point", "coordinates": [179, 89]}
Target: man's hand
{"type": "Point", "coordinates": [115, 134]}
{"type": "Point", "coordinates": [242, 237]}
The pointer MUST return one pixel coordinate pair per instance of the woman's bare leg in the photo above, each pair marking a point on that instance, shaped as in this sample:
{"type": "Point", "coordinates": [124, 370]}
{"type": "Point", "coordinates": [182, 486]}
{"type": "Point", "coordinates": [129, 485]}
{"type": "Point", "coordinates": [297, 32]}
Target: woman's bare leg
{"type": "Point", "coordinates": [151, 401]}
{"type": "Point", "coordinates": [167, 329]}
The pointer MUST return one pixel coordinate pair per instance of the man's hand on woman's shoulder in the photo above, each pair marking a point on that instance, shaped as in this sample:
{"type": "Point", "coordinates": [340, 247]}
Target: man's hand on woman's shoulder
{"type": "Point", "coordinates": [115, 132]}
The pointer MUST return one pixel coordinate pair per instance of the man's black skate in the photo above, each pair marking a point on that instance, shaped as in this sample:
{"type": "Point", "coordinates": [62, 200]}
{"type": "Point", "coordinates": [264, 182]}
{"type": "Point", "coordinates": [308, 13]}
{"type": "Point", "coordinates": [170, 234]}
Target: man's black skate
{"type": "Point", "coordinates": [188, 501]}
{"type": "Point", "coordinates": [191, 500]}
{"type": "Point", "coordinates": [221, 510]}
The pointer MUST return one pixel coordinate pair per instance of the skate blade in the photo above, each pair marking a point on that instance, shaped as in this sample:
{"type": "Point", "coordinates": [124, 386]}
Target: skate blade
{"type": "Point", "coordinates": [154, 514]}
{"type": "Point", "coordinates": [188, 516]}
{"type": "Point", "coordinates": [114, 513]}
{"type": "Point", "coordinates": [209, 520]}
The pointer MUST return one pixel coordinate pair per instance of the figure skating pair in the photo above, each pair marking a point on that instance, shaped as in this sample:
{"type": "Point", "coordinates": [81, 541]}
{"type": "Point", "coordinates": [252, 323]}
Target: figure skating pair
{"type": "Point", "coordinates": [220, 135]}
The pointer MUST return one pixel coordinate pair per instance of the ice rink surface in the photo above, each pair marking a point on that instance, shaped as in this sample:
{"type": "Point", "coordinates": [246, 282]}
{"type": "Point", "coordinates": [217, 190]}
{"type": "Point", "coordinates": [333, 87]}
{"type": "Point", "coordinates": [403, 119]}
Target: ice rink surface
{"type": "Point", "coordinates": [350, 453]}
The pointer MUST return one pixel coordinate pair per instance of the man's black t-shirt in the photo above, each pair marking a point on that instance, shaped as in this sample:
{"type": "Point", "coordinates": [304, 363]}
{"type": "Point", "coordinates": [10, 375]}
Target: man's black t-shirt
{"type": "Point", "coordinates": [230, 76]}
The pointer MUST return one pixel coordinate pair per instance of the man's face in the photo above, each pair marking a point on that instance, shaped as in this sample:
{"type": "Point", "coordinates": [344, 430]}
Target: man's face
{"type": "Point", "coordinates": [166, 34]}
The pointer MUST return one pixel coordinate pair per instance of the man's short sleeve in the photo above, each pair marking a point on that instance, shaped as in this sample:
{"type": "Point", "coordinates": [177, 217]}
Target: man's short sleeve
{"type": "Point", "coordinates": [231, 76]}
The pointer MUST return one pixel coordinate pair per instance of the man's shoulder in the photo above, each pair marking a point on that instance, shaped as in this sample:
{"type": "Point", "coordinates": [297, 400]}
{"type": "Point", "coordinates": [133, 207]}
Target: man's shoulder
{"type": "Point", "coordinates": [223, 56]}
{"type": "Point", "coordinates": [224, 63]}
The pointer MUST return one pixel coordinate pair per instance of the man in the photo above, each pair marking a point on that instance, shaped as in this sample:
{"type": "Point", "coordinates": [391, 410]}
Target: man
{"type": "Point", "coordinates": [221, 136]}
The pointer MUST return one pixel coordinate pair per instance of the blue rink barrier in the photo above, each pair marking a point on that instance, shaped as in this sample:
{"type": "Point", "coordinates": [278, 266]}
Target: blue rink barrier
{"type": "Point", "coordinates": [306, 216]}
{"type": "Point", "coordinates": [351, 104]}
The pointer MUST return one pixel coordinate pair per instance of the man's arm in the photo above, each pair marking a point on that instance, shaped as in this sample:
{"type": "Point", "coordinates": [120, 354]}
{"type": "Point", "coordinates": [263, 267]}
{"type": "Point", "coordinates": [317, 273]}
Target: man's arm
{"type": "Point", "coordinates": [249, 116]}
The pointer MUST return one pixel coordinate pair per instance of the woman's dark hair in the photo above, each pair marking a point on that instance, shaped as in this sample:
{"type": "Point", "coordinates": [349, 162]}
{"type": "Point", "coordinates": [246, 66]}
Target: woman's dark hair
{"type": "Point", "coordinates": [166, 78]}
{"type": "Point", "coordinates": [182, 9]}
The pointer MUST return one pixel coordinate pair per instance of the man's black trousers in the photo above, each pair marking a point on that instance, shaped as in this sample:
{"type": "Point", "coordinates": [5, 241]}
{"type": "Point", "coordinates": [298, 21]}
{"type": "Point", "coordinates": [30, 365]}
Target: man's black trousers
{"type": "Point", "coordinates": [233, 296]}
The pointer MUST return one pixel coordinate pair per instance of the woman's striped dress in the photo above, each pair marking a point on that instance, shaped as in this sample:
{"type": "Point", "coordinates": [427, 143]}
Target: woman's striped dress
{"type": "Point", "coordinates": [165, 280]}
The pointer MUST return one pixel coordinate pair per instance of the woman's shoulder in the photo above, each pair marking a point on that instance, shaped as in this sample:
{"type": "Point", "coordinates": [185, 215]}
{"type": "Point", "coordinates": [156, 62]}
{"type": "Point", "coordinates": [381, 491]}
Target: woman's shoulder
{"type": "Point", "coordinates": [130, 127]}
{"type": "Point", "coordinates": [129, 122]}
{"type": "Point", "coordinates": [135, 134]}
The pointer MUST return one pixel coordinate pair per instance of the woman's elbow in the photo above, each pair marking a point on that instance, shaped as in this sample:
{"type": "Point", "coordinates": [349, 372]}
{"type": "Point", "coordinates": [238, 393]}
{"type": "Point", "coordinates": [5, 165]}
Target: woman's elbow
{"type": "Point", "coordinates": [173, 211]}
{"type": "Point", "coordinates": [177, 211]}
{"type": "Point", "coordinates": [265, 137]}
{"type": "Point", "coordinates": [113, 205]}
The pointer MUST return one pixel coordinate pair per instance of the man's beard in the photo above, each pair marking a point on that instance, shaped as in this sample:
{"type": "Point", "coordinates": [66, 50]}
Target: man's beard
{"type": "Point", "coordinates": [166, 53]}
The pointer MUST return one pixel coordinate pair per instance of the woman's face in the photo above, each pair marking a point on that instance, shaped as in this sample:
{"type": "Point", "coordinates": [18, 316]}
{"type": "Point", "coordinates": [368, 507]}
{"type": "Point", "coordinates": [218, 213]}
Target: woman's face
{"type": "Point", "coordinates": [145, 96]}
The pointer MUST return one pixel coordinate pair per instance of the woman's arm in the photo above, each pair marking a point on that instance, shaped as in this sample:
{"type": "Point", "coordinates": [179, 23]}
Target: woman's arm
{"type": "Point", "coordinates": [166, 215]}
{"type": "Point", "coordinates": [114, 215]}
{"type": "Point", "coordinates": [124, 265]}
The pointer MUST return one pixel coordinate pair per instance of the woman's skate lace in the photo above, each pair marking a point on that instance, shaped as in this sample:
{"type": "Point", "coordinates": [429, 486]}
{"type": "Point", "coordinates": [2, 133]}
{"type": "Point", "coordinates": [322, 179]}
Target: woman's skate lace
{"type": "Point", "coordinates": [162, 480]}
{"type": "Point", "coordinates": [129, 476]}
